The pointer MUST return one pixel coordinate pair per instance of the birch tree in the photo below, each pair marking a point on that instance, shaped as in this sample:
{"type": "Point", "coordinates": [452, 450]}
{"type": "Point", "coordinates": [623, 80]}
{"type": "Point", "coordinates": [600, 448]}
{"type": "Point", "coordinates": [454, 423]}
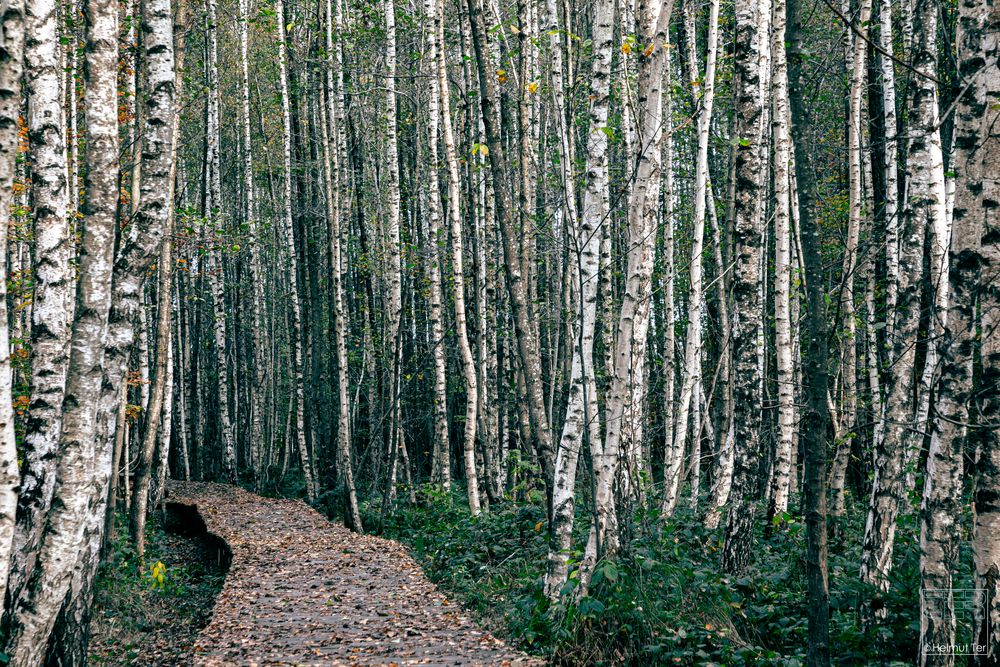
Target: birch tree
{"type": "Point", "coordinates": [288, 235]}
{"type": "Point", "coordinates": [214, 220]}
{"type": "Point", "coordinates": [845, 423]}
{"type": "Point", "coordinates": [582, 409]}
{"type": "Point", "coordinates": [527, 344]}
{"type": "Point", "coordinates": [442, 446]}
{"type": "Point", "coordinates": [11, 70]}
{"type": "Point", "coordinates": [750, 53]}
{"type": "Point", "coordinates": [53, 289]}
{"type": "Point", "coordinates": [472, 388]}
{"type": "Point", "coordinates": [625, 409]}
{"type": "Point", "coordinates": [37, 608]}
{"type": "Point", "coordinates": [256, 267]}
{"type": "Point", "coordinates": [924, 208]}
{"type": "Point", "coordinates": [338, 150]}
{"type": "Point", "coordinates": [782, 268]}
{"type": "Point", "coordinates": [693, 343]}
{"type": "Point", "coordinates": [973, 261]}
{"type": "Point", "coordinates": [814, 350]}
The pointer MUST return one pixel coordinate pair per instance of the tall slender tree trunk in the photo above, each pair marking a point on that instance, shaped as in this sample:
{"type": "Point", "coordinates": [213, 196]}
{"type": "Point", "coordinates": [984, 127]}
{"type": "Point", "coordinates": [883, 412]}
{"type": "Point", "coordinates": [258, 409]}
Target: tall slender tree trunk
{"type": "Point", "coordinates": [338, 151]}
{"type": "Point", "coordinates": [441, 458]}
{"type": "Point", "coordinates": [974, 259]}
{"type": "Point", "coordinates": [582, 422]}
{"type": "Point", "coordinates": [53, 285]}
{"type": "Point", "coordinates": [35, 613]}
{"type": "Point", "coordinates": [692, 346]}
{"type": "Point", "coordinates": [457, 263]}
{"type": "Point", "coordinates": [157, 402]}
{"type": "Point", "coordinates": [750, 56]}
{"type": "Point", "coordinates": [784, 359]}
{"type": "Point", "coordinates": [924, 209]}
{"type": "Point", "coordinates": [256, 266]}
{"type": "Point", "coordinates": [527, 343]}
{"type": "Point", "coordinates": [11, 71]}
{"type": "Point", "coordinates": [673, 459]}
{"type": "Point", "coordinates": [392, 235]}
{"type": "Point", "coordinates": [846, 421]}
{"type": "Point", "coordinates": [890, 151]}
{"type": "Point", "coordinates": [814, 355]}
{"type": "Point", "coordinates": [215, 260]}
{"type": "Point", "coordinates": [288, 234]}
{"type": "Point", "coordinates": [625, 409]}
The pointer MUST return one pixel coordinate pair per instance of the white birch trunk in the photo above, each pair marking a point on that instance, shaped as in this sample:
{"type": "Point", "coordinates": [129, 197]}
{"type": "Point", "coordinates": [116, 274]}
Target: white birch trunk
{"type": "Point", "coordinates": [256, 266]}
{"type": "Point", "coordinates": [53, 283]}
{"type": "Point", "coordinates": [974, 254]}
{"type": "Point", "coordinates": [625, 414]}
{"type": "Point", "coordinates": [751, 54]}
{"type": "Point", "coordinates": [582, 420]}
{"type": "Point", "coordinates": [37, 608]}
{"type": "Point", "coordinates": [441, 460]}
{"type": "Point", "coordinates": [890, 159]}
{"type": "Point", "coordinates": [214, 259]}
{"type": "Point", "coordinates": [692, 351]}
{"type": "Point", "coordinates": [924, 208]}
{"type": "Point", "coordinates": [11, 70]}
{"type": "Point", "coordinates": [338, 161]}
{"type": "Point", "coordinates": [782, 268]}
{"type": "Point", "coordinates": [844, 435]}
{"type": "Point", "coordinates": [457, 262]}
{"type": "Point", "coordinates": [289, 241]}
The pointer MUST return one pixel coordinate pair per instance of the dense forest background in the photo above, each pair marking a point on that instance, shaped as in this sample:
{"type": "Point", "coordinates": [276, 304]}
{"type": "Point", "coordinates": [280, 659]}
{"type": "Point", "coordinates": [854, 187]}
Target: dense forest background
{"type": "Point", "coordinates": [663, 332]}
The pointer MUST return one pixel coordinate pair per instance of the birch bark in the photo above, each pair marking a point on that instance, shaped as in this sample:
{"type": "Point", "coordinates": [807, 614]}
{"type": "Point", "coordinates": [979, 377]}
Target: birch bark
{"type": "Point", "coordinates": [751, 53]}
{"type": "Point", "coordinates": [53, 285]}
{"type": "Point", "coordinates": [335, 95]}
{"type": "Point", "coordinates": [527, 343]}
{"type": "Point", "coordinates": [289, 241]}
{"type": "Point", "coordinates": [256, 267]}
{"type": "Point", "coordinates": [849, 330]}
{"type": "Point", "coordinates": [457, 260]}
{"type": "Point", "coordinates": [692, 346]}
{"type": "Point", "coordinates": [581, 422]}
{"type": "Point", "coordinates": [215, 259]}
{"type": "Point", "coordinates": [625, 409]}
{"type": "Point", "coordinates": [974, 258]}
{"type": "Point", "coordinates": [924, 209]}
{"type": "Point", "coordinates": [35, 613]}
{"type": "Point", "coordinates": [782, 268]}
{"type": "Point", "coordinates": [441, 460]}
{"type": "Point", "coordinates": [11, 70]}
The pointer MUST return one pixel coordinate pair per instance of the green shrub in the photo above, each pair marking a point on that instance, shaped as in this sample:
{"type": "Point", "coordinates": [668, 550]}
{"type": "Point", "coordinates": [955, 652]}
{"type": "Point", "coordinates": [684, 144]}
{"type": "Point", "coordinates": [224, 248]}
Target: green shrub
{"type": "Point", "coordinates": [663, 600]}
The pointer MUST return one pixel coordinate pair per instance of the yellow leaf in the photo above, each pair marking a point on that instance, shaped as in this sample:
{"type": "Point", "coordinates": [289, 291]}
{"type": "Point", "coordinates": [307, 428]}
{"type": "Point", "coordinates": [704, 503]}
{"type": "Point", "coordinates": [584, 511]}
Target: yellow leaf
{"type": "Point", "coordinates": [484, 150]}
{"type": "Point", "coordinates": [626, 48]}
{"type": "Point", "coordinates": [649, 51]}
{"type": "Point", "coordinates": [538, 526]}
{"type": "Point", "coordinates": [514, 29]}
{"type": "Point", "coordinates": [533, 87]}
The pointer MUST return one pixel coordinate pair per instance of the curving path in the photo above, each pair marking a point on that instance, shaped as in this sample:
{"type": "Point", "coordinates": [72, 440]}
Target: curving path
{"type": "Point", "coordinates": [304, 591]}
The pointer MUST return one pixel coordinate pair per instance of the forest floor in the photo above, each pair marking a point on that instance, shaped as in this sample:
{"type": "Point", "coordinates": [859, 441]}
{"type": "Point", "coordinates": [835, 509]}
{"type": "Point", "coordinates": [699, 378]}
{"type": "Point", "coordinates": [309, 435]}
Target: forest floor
{"type": "Point", "coordinates": [304, 591]}
{"type": "Point", "coordinates": [147, 617]}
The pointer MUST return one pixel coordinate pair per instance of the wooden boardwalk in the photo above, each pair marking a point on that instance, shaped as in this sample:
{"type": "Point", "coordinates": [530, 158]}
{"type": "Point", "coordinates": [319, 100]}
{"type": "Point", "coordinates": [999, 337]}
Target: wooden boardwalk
{"type": "Point", "coordinates": [304, 591]}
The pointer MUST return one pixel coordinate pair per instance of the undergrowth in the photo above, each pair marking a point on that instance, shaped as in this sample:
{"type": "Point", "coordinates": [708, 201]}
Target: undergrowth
{"type": "Point", "coordinates": [662, 600]}
{"type": "Point", "coordinates": [150, 613]}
